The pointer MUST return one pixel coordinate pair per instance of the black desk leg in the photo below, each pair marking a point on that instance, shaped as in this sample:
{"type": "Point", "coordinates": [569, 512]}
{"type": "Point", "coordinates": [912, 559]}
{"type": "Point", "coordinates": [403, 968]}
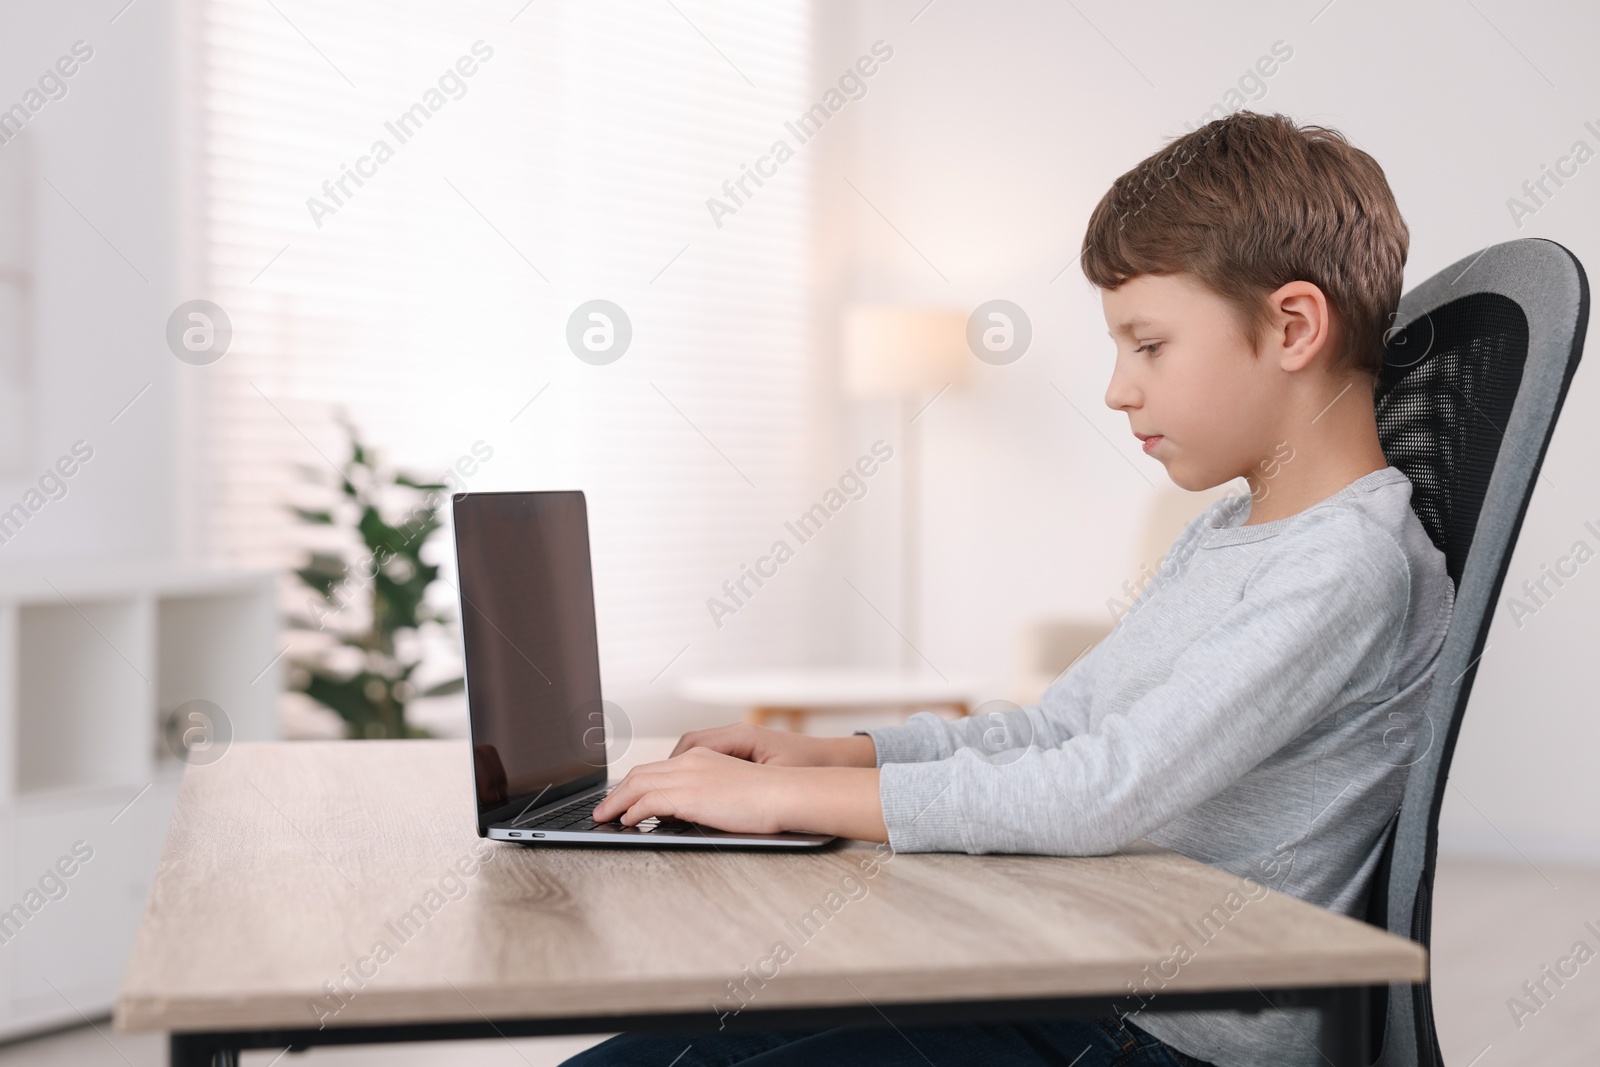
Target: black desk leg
{"type": "Point", "coordinates": [200, 1050]}
{"type": "Point", "coordinates": [1346, 1023]}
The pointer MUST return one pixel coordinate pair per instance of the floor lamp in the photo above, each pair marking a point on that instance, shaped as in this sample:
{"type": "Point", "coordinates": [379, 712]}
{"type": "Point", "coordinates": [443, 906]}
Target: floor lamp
{"type": "Point", "coordinates": [911, 354]}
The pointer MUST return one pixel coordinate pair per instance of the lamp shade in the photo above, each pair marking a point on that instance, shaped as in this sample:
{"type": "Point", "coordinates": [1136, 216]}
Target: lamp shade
{"type": "Point", "coordinates": [894, 350]}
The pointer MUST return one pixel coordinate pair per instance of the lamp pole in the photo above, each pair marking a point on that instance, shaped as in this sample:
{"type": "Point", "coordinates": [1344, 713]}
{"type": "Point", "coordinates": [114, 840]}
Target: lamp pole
{"type": "Point", "coordinates": [904, 352]}
{"type": "Point", "coordinates": [910, 536]}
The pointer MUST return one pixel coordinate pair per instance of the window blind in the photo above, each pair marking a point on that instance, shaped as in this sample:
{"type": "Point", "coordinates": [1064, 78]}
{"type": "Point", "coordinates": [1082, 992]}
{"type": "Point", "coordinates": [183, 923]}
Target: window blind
{"type": "Point", "coordinates": [403, 205]}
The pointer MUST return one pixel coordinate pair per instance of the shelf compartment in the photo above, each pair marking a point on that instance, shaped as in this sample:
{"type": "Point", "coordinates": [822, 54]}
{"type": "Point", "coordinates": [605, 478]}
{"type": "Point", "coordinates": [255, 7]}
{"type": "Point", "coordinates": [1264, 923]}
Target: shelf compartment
{"type": "Point", "coordinates": [84, 695]}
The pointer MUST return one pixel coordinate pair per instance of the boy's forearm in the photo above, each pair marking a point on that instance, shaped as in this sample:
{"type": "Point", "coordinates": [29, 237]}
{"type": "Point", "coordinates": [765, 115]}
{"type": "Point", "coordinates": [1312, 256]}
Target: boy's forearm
{"type": "Point", "coordinates": [857, 750]}
{"type": "Point", "coordinates": [834, 800]}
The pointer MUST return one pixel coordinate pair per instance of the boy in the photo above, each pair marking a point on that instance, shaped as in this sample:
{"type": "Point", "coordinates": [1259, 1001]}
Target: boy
{"type": "Point", "coordinates": [1250, 710]}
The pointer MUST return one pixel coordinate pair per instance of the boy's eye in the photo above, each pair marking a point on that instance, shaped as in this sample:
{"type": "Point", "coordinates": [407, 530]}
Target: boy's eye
{"type": "Point", "coordinates": [1149, 346]}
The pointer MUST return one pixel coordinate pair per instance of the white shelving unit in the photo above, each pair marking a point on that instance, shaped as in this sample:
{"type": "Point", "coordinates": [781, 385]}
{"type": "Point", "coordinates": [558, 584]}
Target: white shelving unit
{"type": "Point", "coordinates": [93, 661]}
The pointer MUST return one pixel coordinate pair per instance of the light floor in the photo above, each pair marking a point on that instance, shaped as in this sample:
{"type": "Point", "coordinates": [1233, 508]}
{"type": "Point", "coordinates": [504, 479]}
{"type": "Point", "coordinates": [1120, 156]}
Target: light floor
{"type": "Point", "coordinates": [83, 1047]}
{"type": "Point", "coordinates": [1496, 926]}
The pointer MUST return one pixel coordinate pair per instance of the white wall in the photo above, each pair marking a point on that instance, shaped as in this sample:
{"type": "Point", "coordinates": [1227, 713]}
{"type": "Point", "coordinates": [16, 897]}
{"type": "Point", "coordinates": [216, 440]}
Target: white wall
{"type": "Point", "coordinates": [110, 147]}
{"type": "Point", "coordinates": [988, 140]}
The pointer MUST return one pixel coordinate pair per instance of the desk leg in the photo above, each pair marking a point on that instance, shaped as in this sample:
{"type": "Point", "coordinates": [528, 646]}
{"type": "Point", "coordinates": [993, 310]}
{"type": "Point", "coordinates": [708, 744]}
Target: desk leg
{"type": "Point", "coordinates": [1346, 1024]}
{"type": "Point", "coordinates": [190, 1050]}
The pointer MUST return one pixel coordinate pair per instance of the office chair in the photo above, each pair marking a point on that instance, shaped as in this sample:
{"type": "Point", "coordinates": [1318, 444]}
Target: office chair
{"type": "Point", "coordinates": [1466, 403]}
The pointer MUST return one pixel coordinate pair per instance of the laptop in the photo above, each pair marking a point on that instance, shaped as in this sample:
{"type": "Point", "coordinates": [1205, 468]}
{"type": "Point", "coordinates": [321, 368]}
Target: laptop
{"type": "Point", "coordinates": [533, 680]}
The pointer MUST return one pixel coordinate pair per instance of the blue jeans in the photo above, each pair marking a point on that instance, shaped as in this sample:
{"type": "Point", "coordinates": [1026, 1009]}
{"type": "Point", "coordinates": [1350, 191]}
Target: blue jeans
{"type": "Point", "coordinates": [1061, 1043]}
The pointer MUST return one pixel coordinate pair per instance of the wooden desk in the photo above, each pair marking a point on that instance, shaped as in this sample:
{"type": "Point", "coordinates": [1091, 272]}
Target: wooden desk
{"type": "Point", "coordinates": [288, 864]}
{"type": "Point", "coordinates": [792, 695]}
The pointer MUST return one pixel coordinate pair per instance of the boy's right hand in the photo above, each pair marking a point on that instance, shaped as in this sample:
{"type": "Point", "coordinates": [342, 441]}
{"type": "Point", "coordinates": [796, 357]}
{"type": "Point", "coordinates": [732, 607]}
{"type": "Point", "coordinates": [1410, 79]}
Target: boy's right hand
{"type": "Point", "coordinates": [783, 748]}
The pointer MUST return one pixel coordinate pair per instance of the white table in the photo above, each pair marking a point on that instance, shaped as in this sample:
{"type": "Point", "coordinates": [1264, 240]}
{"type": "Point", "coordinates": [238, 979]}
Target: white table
{"type": "Point", "coordinates": [797, 692]}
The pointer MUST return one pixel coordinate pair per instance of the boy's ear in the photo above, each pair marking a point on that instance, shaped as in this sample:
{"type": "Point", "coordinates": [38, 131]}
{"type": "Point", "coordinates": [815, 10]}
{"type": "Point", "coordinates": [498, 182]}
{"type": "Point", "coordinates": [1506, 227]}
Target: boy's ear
{"type": "Point", "coordinates": [1302, 325]}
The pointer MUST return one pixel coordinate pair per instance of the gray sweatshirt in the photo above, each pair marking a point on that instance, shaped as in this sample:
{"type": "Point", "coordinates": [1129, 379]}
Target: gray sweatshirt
{"type": "Point", "coordinates": [1256, 709]}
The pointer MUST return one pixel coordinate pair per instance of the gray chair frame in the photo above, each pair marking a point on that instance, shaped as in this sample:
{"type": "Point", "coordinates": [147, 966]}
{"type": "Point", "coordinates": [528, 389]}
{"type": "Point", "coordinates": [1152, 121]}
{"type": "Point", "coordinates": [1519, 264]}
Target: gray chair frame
{"type": "Point", "coordinates": [1548, 284]}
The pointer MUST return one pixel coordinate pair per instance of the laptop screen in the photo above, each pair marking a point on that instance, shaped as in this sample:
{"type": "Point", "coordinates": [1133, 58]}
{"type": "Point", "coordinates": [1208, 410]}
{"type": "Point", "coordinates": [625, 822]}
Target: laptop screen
{"type": "Point", "coordinates": [532, 659]}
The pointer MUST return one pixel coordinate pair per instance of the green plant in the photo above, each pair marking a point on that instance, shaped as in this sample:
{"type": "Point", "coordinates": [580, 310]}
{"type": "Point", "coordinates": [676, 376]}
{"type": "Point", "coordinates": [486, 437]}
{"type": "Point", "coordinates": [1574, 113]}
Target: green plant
{"type": "Point", "coordinates": [369, 608]}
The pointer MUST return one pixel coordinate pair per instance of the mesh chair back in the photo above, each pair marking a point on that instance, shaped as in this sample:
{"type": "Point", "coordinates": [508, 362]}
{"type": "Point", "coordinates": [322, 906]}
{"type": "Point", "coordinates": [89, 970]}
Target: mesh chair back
{"type": "Point", "coordinates": [1472, 383]}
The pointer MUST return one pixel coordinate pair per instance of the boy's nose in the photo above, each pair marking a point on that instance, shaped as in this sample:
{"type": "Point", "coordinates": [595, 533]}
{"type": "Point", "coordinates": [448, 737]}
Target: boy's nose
{"type": "Point", "coordinates": [1120, 394]}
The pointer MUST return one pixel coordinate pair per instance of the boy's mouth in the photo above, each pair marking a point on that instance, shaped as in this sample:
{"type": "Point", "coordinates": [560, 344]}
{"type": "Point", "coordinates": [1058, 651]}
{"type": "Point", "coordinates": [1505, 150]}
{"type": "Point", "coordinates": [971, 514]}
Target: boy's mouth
{"type": "Point", "coordinates": [1150, 440]}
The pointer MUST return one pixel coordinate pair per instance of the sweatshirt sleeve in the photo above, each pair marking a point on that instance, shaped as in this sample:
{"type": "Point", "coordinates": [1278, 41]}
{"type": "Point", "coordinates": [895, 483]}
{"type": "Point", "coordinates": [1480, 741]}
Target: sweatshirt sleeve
{"type": "Point", "coordinates": [1264, 674]}
{"type": "Point", "coordinates": [925, 736]}
{"type": "Point", "coordinates": [1062, 712]}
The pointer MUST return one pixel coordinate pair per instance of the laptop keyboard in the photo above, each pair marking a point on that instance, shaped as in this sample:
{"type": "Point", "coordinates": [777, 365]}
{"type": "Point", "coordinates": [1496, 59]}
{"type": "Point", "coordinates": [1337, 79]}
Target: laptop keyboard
{"type": "Point", "coordinates": [574, 815]}
{"type": "Point", "coordinates": [579, 815]}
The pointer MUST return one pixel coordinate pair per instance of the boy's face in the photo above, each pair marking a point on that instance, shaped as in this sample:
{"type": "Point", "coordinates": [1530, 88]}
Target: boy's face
{"type": "Point", "coordinates": [1185, 372]}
